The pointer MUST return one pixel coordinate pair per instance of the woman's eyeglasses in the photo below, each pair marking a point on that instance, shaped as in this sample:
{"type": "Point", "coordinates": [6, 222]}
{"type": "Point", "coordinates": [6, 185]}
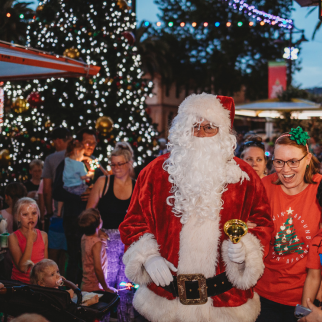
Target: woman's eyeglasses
{"type": "Point", "coordinates": [117, 165]}
{"type": "Point", "coordinates": [279, 164]}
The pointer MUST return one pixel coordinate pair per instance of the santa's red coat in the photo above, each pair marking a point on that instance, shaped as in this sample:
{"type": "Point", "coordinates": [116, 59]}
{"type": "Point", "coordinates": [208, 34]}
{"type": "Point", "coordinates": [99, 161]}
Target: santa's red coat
{"type": "Point", "coordinates": [150, 227]}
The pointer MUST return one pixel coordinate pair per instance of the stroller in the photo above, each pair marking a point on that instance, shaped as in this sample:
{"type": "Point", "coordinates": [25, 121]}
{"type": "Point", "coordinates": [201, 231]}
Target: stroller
{"type": "Point", "coordinates": [54, 304]}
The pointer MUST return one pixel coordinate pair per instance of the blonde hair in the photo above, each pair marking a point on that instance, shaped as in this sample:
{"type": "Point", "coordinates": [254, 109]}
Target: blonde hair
{"type": "Point", "coordinates": [124, 148]}
{"type": "Point", "coordinates": [36, 163]}
{"type": "Point", "coordinates": [38, 271]}
{"type": "Point", "coordinates": [21, 203]}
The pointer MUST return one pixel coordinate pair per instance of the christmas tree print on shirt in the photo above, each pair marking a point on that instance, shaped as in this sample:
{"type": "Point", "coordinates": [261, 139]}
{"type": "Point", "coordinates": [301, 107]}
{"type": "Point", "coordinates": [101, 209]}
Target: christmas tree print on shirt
{"type": "Point", "coordinates": [286, 240]}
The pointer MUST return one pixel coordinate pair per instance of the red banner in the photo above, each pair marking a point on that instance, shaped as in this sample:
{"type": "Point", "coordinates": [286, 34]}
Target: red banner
{"type": "Point", "coordinates": [276, 78]}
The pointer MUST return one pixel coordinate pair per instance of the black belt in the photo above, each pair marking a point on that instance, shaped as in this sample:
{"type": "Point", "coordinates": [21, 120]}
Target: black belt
{"type": "Point", "coordinates": [195, 288]}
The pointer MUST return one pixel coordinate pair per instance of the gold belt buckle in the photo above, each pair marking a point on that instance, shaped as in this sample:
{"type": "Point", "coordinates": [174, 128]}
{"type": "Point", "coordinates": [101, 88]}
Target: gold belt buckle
{"type": "Point", "coordinates": [182, 278]}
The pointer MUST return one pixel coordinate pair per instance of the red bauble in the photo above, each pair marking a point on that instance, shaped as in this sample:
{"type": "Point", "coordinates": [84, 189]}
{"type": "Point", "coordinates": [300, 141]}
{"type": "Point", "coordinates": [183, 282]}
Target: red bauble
{"type": "Point", "coordinates": [34, 99]}
{"type": "Point", "coordinates": [129, 36]}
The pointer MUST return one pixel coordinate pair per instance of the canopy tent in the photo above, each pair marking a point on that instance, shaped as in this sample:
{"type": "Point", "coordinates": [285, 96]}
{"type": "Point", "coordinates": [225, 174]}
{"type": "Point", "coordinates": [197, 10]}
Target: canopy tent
{"type": "Point", "coordinates": [300, 108]}
{"type": "Point", "coordinates": [18, 63]}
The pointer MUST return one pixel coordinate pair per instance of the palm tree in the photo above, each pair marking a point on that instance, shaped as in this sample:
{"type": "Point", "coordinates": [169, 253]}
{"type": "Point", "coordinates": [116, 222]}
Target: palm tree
{"type": "Point", "coordinates": [14, 17]}
{"type": "Point", "coordinates": [154, 53]}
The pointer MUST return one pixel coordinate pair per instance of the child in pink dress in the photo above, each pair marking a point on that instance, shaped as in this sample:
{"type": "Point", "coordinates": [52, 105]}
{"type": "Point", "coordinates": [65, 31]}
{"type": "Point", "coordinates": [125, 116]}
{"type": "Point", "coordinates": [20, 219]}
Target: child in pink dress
{"type": "Point", "coordinates": [27, 245]}
{"type": "Point", "coordinates": [94, 257]}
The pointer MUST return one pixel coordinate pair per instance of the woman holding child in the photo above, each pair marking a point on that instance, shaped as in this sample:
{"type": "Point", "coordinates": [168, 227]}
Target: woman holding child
{"type": "Point", "coordinates": [296, 214]}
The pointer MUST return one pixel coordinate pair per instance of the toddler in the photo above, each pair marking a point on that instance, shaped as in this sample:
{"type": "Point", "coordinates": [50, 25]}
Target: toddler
{"type": "Point", "coordinates": [46, 273]}
{"type": "Point", "coordinates": [94, 257]}
{"type": "Point", "coordinates": [313, 264]}
{"type": "Point", "coordinates": [27, 245]}
{"type": "Point", "coordinates": [75, 173]}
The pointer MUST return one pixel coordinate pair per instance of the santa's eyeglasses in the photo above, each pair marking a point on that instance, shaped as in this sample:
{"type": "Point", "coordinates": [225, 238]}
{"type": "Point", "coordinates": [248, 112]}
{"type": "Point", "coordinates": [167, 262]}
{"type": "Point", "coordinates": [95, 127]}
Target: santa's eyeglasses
{"type": "Point", "coordinates": [208, 128]}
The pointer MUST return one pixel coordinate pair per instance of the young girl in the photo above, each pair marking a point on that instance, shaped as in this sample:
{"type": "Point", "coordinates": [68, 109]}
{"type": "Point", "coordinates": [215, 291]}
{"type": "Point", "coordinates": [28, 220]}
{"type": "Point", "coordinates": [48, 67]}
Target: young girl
{"type": "Point", "coordinates": [13, 192]}
{"type": "Point", "coordinates": [93, 252]}
{"type": "Point", "coordinates": [75, 173]}
{"type": "Point", "coordinates": [27, 245]}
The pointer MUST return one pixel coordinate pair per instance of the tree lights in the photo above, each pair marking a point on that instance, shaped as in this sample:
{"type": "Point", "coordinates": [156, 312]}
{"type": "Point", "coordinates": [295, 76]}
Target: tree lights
{"type": "Point", "coordinates": [97, 32]}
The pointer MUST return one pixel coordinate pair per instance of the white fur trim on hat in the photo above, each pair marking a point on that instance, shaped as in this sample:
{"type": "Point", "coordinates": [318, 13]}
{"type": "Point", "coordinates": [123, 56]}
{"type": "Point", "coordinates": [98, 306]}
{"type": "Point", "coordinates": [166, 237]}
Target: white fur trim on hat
{"type": "Point", "coordinates": [206, 106]}
{"type": "Point", "coordinates": [244, 276]}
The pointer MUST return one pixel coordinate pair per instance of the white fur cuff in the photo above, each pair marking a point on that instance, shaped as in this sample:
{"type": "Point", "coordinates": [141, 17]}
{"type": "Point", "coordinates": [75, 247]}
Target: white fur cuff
{"type": "Point", "coordinates": [135, 257]}
{"type": "Point", "coordinates": [244, 276]}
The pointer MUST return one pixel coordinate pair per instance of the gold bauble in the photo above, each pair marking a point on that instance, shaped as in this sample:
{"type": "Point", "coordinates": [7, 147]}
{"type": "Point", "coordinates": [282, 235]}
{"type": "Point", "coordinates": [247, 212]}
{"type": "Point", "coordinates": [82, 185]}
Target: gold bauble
{"type": "Point", "coordinates": [33, 139]}
{"type": "Point", "coordinates": [20, 105]}
{"type": "Point", "coordinates": [104, 125]}
{"type": "Point", "coordinates": [139, 139]}
{"type": "Point", "coordinates": [123, 5]}
{"type": "Point", "coordinates": [47, 124]}
{"type": "Point", "coordinates": [40, 8]}
{"type": "Point", "coordinates": [71, 53]}
{"type": "Point", "coordinates": [90, 81]}
{"type": "Point", "coordinates": [5, 158]}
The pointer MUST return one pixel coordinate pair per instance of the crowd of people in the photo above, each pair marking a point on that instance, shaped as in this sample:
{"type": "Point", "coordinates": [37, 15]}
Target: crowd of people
{"type": "Point", "coordinates": [164, 231]}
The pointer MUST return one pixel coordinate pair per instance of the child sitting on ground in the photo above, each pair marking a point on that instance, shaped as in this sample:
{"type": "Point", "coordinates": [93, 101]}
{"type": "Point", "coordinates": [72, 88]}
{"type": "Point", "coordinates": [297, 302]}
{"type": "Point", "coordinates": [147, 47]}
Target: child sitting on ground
{"type": "Point", "coordinates": [46, 273]}
{"type": "Point", "coordinates": [27, 245]}
{"type": "Point", "coordinates": [75, 173]}
{"type": "Point", "coordinates": [314, 266]}
{"type": "Point", "coordinates": [94, 257]}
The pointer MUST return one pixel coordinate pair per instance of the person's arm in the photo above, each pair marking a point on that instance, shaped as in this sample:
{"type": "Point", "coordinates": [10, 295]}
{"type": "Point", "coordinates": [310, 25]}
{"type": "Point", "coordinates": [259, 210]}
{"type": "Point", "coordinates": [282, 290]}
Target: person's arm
{"type": "Point", "coordinates": [97, 251]}
{"type": "Point", "coordinates": [245, 261]}
{"type": "Point", "coordinates": [45, 239]}
{"type": "Point", "coordinates": [311, 285]}
{"type": "Point", "coordinates": [20, 259]}
{"type": "Point", "coordinates": [48, 195]}
{"type": "Point", "coordinates": [96, 193]}
{"type": "Point", "coordinates": [314, 316]}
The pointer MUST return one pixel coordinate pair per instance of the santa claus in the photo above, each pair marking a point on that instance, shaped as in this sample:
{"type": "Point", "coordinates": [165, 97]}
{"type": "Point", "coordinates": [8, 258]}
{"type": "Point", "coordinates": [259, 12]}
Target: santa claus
{"type": "Point", "coordinates": [175, 247]}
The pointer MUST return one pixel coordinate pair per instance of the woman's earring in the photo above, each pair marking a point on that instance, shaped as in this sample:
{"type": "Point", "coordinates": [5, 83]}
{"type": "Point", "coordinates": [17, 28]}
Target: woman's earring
{"type": "Point", "coordinates": [307, 166]}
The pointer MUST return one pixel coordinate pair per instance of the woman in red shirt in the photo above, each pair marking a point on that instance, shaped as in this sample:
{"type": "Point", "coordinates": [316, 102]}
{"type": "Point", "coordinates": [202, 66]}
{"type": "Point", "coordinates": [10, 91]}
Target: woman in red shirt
{"type": "Point", "coordinates": [296, 214]}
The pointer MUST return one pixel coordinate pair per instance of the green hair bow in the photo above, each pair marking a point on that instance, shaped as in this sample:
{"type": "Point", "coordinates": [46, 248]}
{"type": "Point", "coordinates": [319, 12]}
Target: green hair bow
{"type": "Point", "coordinates": [299, 135]}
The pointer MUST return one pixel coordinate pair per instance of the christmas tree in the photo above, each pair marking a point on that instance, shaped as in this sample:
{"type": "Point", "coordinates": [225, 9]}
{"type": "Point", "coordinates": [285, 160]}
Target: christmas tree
{"type": "Point", "coordinates": [286, 240]}
{"type": "Point", "coordinates": [113, 102]}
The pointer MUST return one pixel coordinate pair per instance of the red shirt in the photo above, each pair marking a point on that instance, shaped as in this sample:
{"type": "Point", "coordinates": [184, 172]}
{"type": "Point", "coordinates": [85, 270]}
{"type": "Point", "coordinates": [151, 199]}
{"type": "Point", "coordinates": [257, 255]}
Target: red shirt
{"type": "Point", "coordinates": [313, 258]}
{"type": "Point", "coordinates": [38, 254]}
{"type": "Point", "coordinates": [296, 222]}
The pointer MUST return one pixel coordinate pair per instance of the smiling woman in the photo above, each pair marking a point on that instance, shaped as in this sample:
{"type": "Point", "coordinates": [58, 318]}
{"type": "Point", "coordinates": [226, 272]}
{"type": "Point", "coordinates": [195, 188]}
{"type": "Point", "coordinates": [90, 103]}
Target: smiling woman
{"type": "Point", "coordinates": [296, 213]}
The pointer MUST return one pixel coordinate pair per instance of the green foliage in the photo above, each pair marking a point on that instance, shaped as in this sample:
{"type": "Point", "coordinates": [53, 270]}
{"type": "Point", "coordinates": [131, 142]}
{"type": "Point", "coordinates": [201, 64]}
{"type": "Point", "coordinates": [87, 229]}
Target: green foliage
{"type": "Point", "coordinates": [293, 92]}
{"type": "Point", "coordinates": [13, 28]}
{"type": "Point", "coordinates": [221, 59]}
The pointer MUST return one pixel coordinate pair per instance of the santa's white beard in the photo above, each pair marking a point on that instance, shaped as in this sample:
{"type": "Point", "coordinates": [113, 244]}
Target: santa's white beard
{"type": "Point", "coordinates": [200, 171]}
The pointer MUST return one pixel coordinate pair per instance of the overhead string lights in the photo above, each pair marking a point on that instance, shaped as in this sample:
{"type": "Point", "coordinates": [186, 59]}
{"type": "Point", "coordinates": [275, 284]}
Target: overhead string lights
{"type": "Point", "coordinates": [257, 17]}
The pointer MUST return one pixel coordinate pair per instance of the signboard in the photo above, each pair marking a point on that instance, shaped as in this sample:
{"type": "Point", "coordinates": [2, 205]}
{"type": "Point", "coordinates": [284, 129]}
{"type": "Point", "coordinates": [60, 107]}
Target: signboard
{"type": "Point", "coordinates": [276, 78]}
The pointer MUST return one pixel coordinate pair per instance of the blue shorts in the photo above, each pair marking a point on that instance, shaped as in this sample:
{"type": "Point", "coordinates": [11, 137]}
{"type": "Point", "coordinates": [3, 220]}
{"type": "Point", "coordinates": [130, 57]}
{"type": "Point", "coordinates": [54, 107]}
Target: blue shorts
{"type": "Point", "coordinates": [56, 234]}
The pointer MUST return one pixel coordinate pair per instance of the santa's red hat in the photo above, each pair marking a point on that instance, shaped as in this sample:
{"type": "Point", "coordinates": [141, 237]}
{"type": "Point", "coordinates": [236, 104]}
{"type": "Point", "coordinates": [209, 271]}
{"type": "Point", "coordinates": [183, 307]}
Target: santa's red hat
{"type": "Point", "coordinates": [217, 109]}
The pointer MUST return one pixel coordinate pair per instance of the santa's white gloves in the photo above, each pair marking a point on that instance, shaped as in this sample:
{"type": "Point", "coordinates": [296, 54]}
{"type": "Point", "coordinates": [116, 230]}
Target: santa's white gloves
{"type": "Point", "coordinates": [159, 270]}
{"type": "Point", "coordinates": [236, 252]}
